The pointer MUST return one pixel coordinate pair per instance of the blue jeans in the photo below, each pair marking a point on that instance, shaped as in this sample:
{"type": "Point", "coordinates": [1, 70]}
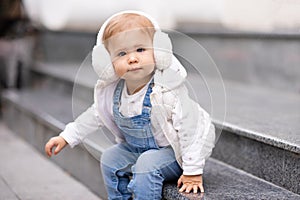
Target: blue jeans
{"type": "Point", "coordinates": [129, 172]}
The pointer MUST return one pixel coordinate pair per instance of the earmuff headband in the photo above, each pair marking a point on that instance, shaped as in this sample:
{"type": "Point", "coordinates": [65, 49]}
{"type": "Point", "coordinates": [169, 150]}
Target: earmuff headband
{"type": "Point", "coordinates": [101, 59]}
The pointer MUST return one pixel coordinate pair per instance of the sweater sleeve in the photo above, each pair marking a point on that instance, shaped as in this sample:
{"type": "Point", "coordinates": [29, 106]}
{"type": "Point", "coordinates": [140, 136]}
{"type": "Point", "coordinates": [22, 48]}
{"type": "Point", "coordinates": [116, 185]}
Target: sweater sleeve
{"type": "Point", "coordinates": [83, 125]}
{"type": "Point", "coordinates": [195, 131]}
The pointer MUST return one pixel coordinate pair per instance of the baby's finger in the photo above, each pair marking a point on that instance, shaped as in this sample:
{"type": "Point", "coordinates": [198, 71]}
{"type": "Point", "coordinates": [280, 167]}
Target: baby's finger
{"type": "Point", "coordinates": [58, 148]}
{"type": "Point", "coordinates": [182, 189]}
{"type": "Point", "coordinates": [201, 187]}
{"type": "Point", "coordinates": [179, 182]}
{"type": "Point", "coordinates": [195, 189]}
{"type": "Point", "coordinates": [189, 188]}
{"type": "Point", "coordinates": [48, 149]}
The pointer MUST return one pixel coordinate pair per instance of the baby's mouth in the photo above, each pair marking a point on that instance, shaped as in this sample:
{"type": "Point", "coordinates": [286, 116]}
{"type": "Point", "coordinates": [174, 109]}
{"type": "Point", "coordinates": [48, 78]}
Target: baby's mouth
{"type": "Point", "coordinates": [135, 69]}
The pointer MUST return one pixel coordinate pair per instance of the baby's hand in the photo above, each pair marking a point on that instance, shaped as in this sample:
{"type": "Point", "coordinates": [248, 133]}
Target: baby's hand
{"type": "Point", "coordinates": [58, 142]}
{"type": "Point", "coordinates": [190, 182]}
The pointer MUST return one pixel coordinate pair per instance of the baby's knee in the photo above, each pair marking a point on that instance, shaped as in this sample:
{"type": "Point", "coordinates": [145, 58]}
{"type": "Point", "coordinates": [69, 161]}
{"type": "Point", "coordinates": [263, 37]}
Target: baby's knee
{"type": "Point", "coordinates": [152, 161]}
{"type": "Point", "coordinates": [146, 163]}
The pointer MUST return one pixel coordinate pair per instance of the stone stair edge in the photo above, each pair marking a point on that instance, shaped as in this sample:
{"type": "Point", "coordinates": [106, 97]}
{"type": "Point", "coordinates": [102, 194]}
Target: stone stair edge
{"type": "Point", "coordinates": [238, 130]}
{"type": "Point", "coordinates": [20, 164]}
{"type": "Point", "coordinates": [260, 137]}
{"type": "Point", "coordinates": [39, 68]}
{"type": "Point", "coordinates": [172, 190]}
{"type": "Point", "coordinates": [53, 124]}
{"type": "Point", "coordinates": [51, 121]}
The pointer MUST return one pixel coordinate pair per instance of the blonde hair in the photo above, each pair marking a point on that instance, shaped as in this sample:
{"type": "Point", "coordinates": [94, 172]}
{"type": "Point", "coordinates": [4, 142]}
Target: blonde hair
{"type": "Point", "coordinates": [125, 22]}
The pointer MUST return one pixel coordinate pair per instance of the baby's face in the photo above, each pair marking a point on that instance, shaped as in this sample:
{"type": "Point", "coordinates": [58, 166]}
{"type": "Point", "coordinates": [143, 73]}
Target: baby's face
{"type": "Point", "coordinates": [132, 55]}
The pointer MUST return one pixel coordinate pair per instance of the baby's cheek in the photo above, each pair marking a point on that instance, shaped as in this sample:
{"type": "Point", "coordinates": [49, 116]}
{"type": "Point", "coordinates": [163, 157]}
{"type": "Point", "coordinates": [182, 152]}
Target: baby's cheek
{"type": "Point", "coordinates": [120, 71]}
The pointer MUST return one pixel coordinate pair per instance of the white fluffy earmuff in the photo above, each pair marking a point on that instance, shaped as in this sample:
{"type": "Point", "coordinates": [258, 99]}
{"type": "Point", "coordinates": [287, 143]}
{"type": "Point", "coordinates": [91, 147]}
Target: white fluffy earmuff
{"type": "Point", "coordinates": [101, 60]}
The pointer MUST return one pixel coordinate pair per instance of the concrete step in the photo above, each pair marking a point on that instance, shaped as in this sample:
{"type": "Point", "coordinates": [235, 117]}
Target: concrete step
{"type": "Point", "coordinates": [242, 104]}
{"type": "Point", "coordinates": [222, 181]}
{"type": "Point", "coordinates": [60, 46]}
{"type": "Point", "coordinates": [270, 60]}
{"type": "Point", "coordinates": [26, 174]}
{"type": "Point", "coordinates": [42, 107]}
{"type": "Point", "coordinates": [260, 128]}
{"type": "Point", "coordinates": [39, 118]}
{"type": "Point", "coordinates": [72, 78]}
{"type": "Point", "coordinates": [38, 121]}
{"type": "Point", "coordinates": [243, 57]}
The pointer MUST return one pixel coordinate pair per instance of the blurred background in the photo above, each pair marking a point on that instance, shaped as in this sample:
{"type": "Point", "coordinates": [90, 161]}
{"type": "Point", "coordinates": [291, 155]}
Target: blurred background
{"type": "Point", "coordinates": [261, 30]}
{"type": "Point", "coordinates": [253, 16]}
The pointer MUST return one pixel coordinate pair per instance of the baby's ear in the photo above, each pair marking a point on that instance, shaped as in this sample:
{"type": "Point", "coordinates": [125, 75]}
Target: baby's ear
{"type": "Point", "coordinates": [162, 50]}
{"type": "Point", "coordinates": [102, 63]}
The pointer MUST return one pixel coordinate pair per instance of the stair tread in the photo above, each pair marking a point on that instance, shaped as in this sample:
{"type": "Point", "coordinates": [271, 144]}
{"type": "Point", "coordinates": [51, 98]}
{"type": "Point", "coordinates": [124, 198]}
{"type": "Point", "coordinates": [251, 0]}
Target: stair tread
{"type": "Point", "coordinates": [69, 71]}
{"type": "Point", "coordinates": [263, 114]}
{"type": "Point", "coordinates": [54, 108]}
{"type": "Point", "coordinates": [26, 174]}
{"type": "Point", "coordinates": [221, 180]}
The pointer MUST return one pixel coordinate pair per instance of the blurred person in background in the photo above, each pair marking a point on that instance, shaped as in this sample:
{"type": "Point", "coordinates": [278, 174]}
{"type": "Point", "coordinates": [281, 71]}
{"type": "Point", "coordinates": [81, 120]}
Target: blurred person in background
{"type": "Point", "coordinates": [15, 51]}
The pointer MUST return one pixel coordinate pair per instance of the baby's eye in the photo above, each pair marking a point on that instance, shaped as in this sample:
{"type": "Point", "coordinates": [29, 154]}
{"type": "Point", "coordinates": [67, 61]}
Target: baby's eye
{"type": "Point", "coordinates": [122, 53]}
{"type": "Point", "coordinates": [141, 49]}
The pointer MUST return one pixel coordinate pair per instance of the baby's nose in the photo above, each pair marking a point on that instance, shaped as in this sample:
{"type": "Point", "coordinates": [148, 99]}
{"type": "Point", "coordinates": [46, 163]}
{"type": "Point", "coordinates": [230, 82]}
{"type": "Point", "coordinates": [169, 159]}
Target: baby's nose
{"type": "Point", "coordinates": [132, 58]}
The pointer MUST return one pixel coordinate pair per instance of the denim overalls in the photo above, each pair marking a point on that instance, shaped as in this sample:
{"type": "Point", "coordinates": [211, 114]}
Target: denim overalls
{"type": "Point", "coordinates": [137, 166]}
{"type": "Point", "coordinates": [136, 130]}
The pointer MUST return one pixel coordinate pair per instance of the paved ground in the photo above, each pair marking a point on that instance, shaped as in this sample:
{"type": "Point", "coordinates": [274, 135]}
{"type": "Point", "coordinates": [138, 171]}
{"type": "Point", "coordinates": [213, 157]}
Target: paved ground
{"type": "Point", "coordinates": [26, 174]}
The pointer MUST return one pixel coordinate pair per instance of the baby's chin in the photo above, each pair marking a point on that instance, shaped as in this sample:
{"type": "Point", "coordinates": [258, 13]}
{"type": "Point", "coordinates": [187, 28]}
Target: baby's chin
{"type": "Point", "coordinates": [135, 77]}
